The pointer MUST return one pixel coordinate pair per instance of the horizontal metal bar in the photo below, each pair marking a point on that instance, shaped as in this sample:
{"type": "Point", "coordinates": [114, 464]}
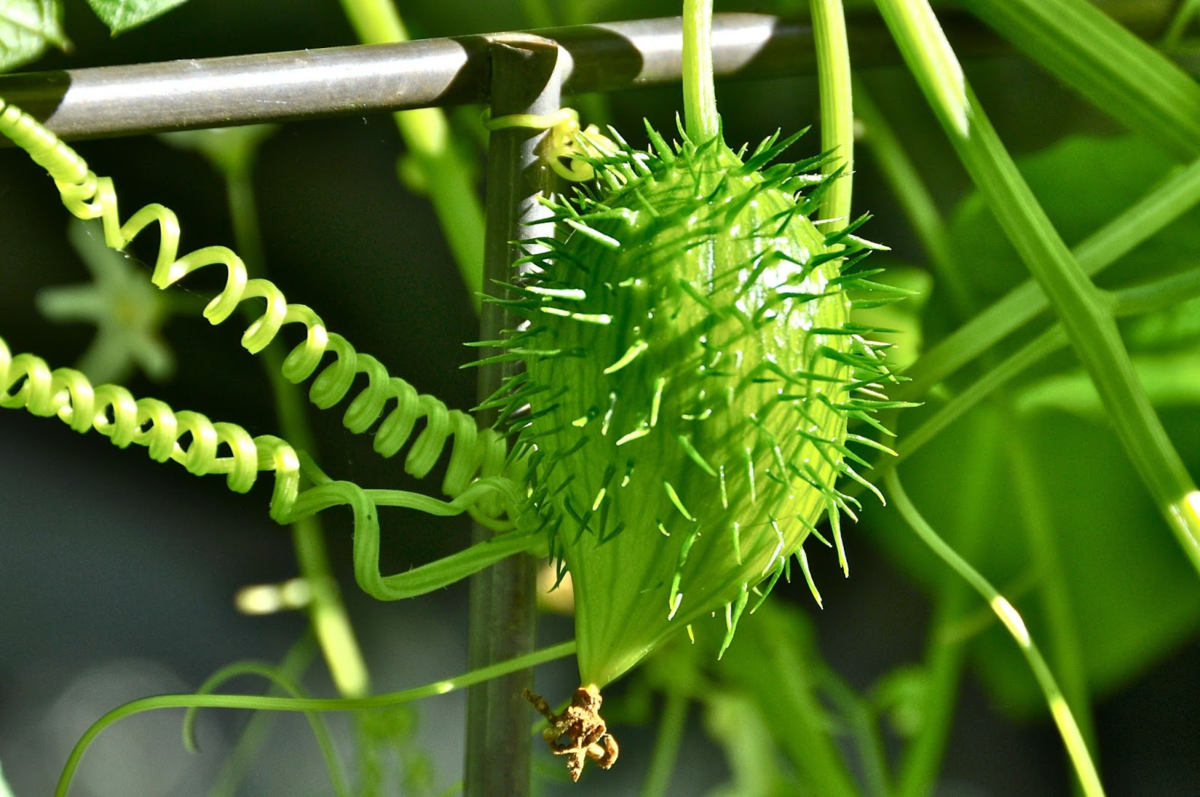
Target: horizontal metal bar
{"type": "Point", "coordinates": [216, 92]}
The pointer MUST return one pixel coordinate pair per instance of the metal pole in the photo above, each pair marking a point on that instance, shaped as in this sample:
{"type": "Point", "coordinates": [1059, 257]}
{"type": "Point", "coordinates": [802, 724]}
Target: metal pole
{"type": "Point", "coordinates": [526, 78]}
{"type": "Point", "coordinates": [339, 81]}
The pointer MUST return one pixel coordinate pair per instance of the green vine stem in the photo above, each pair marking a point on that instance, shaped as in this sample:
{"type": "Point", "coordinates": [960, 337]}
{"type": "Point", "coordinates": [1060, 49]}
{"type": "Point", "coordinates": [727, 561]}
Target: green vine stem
{"type": "Point", "coordinates": [426, 133]}
{"type": "Point", "coordinates": [945, 652]}
{"type": "Point", "coordinates": [254, 735]}
{"type": "Point", "coordinates": [1085, 770]}
{"type": "Point", "coordinates": [837, 107]}
{"type": "Point", "coordinates": [260, 703]}
{"type": "Point", "coordinates": [1136, 224]}
{"type": "Point", "coordinates": [1151, 297]}
{"type": "Point", "coordinates": [282, 681]}
{"type": "Point", "coordinates": [1185, 13]}
{"type": "Point", "coordinates": [1086, 48]}
{"type": "Point", "coordinates": [861, 723]}
{"type": "Point", "coordinates": [699, 96]}
{"type": "Point", "coordinates": [1086, 317]}
{"type": "Point", "coordinates": [1060, 615]}
{"type": "Point", "coordinates": [922, 212]}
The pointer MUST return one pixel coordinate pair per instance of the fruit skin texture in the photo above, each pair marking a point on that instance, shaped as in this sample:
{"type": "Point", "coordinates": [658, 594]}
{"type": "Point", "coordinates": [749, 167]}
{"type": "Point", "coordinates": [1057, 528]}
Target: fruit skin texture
{"type": "Point", "coordinates": [687, 360]}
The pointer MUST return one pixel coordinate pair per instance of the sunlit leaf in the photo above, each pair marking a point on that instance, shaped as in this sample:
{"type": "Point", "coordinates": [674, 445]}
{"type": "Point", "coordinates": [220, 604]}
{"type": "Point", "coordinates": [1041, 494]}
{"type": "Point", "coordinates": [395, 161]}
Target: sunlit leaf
{"type": "Point", "coordinates": [124, 15]}
{"type": "Point", "coordinates": [27, 27]}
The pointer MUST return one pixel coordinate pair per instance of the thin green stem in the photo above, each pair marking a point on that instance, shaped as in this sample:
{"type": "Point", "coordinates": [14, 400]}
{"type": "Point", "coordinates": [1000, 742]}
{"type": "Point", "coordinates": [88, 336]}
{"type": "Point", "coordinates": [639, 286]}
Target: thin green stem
{"type": "Point", "coordinates": [699, 96]}
{"type": "Point", "coordinates": [282, 681]}
{"type": "Point", "coordinates": [426, 133]}
{"type": "Point", "coordinates": [1063, 718]}
{"type": "Point", "coordinates": [1184, 15]}
{"type": "Point", "coordinates": [1121, 74]}
{"type": "Point", "coordinates": [666, 746]}
{"type": "Point", "coordinates": [260, 703]}
{"type": "Point", "coordinates": [1061, 617]}
{"type": "Point", "coordinates": [1136, 300]}
{"type": "Point", "coordinates": [837, 106]}
{"type": "Point", "coordinates": [1084, 313]}
{"type": "Point", "coordinates": [945, 653]}
{"type": "Point", "coordinates": [1138, 223]}
{"type": "Point", "coordinates": [294, 664]}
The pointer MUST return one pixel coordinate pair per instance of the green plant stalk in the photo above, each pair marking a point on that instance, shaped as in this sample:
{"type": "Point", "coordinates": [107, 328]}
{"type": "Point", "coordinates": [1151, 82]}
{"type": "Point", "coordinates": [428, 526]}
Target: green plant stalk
{"type": "Point", "coordinates": [945, 654]}
{"type": "Point", "coordinates": [667, 744]}
{"type": "Point", "coordinates": [837, 106]}
{"type": "Point", "coordinates": [426, 133]}
{"type": "Point", "coordinates": [699, 96]}
{"type": "Point", "coordinates": [909, 188]}
{"type": "Point", "coordinates": [1136, 224]}
{"type": "Point", "coordinates": [260, 703]}
{"type": "Point", "coordinates": [1136, 300]}
{"type": "Point", "coordinates": [1121, 74]}
{"type": "Point", "coordinates": [1086, 317]}
{"type": "Point", "coordinates": [282, 681]}
{"type": "Point", "coordinates": [923, 214]}
{"type": "Point", "coordinates": [788, 700]}
{"type": "Point", "coordinates": [1067, 727]}
{"type": "Point", "coordinates": [331, 622]}
{"type": "Point", "coordinates": [1065, 649]}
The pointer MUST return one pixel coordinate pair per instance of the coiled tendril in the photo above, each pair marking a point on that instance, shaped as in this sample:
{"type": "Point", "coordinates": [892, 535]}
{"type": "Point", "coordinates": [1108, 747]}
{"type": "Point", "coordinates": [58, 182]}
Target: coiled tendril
{"type": "Point", "coordinates": [475, 477]}
{"type": "Point", "coordinates": [113, 412]}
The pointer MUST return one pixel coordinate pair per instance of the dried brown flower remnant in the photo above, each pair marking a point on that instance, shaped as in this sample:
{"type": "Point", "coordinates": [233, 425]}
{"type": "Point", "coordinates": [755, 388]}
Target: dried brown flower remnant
{"type": "Point", "coordinates": [579, 731]}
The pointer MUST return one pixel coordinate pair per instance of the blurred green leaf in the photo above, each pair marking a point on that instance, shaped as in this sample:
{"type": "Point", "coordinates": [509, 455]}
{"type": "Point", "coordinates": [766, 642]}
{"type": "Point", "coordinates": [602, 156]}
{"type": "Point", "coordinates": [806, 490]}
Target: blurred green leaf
{"type": "Point", "coordinates": [125, 15]}
{"type": "Point", "coordinates": [26, 28]}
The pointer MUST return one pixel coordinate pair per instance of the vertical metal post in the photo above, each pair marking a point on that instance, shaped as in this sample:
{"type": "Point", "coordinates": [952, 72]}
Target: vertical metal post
{"type": "Point", "coordinates": [526, 79]}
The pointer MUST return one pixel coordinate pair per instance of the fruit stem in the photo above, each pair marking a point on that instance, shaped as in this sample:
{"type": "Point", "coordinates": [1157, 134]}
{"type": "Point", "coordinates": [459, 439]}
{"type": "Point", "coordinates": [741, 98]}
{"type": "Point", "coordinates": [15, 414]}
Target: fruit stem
{"type": "Point", "coordinates": [699, 98]}
{"type": "Point", "coordinates": [837, 107]}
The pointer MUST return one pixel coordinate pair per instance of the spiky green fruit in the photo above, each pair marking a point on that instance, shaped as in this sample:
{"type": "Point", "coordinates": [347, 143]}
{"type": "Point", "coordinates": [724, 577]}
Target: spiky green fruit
{"type": "Point", "coordinates": [689, 357]}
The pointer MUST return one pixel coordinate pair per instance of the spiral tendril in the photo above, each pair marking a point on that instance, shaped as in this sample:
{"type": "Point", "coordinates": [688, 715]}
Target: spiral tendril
{"type": "Point", "coordinates": [474, 453]}
{"type": "Point", "coordinates": [480, 479]}
{"type": "Point", "coordinates": [188, 438]}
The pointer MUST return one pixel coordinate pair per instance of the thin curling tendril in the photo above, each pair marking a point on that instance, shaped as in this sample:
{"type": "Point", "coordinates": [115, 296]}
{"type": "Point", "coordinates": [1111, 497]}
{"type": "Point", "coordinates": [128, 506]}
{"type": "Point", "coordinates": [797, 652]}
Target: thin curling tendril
{"type": "Point", "coordinates": [474, 454]}
{"type": "Point", "coordinates": [567, 141]}
{"type": "Point", "coordinates": [475, 477]}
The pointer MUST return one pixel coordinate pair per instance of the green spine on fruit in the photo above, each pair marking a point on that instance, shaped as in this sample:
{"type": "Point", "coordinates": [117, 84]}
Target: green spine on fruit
{"type": "Point", "coordinates": [690, 369]}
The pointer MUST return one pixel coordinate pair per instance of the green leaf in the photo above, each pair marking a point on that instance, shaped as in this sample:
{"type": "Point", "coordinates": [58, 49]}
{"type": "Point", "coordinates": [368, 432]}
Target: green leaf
{"type": "Point", "coordinates": [124, 15]}
{"type": "Point", "coordinates": [26, 27]}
